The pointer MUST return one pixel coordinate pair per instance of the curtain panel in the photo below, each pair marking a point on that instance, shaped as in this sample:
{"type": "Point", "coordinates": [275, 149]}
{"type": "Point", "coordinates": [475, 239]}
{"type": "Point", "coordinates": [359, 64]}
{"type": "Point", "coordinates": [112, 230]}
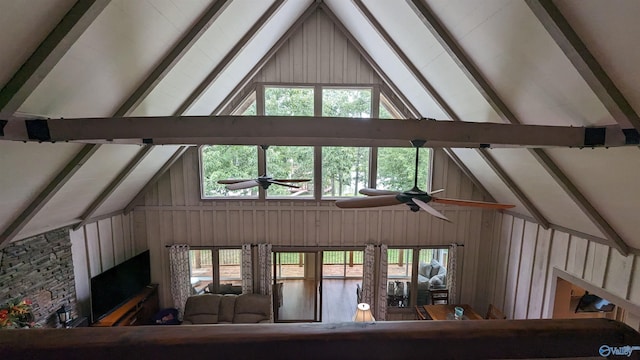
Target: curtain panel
{"type": "Point", "coordinates": [368, 276]}
{"type": "Point", "coordinates": [247, 270]}
{"type": "Point", "coordinates": [381, 304]}
{"type": "Point", "coordinates": [451, 273]}
{"type": "Point", "coordinates": [180, 276]}
{"type": "Point", "coordinates": [265, 278]}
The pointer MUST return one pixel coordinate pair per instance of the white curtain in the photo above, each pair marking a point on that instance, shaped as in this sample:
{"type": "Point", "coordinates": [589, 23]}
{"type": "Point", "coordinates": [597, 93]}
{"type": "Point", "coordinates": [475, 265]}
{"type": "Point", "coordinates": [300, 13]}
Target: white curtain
{"type": "Point", "coordinates": [451, 273]}
{"type": "Point", "coordinates": [180, 276]}
{"type": "Point", "coordinates": [368, 276]}
{"type": "Point", "coordinates": [247, 270]}
{"type": "Point", "coordinates": [265, 278]}
{"type": "Point", "coordinates": [381, 306]}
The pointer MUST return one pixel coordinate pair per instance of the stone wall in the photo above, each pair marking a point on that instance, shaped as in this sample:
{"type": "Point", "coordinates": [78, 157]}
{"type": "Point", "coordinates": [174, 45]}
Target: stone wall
{"type": "Point", "coordinates": [39, 268]}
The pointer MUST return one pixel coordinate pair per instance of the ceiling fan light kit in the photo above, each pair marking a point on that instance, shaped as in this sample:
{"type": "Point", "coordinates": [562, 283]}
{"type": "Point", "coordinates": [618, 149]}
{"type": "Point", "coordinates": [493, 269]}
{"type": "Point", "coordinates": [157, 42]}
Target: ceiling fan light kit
{"type": "Point", "coordinates": [415, 198]}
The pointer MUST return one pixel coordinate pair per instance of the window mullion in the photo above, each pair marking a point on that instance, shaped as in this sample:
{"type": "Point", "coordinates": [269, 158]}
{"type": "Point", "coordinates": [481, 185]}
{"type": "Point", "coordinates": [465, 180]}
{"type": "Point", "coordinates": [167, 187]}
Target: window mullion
{"type": "Point", "coordinates": [317, 150]}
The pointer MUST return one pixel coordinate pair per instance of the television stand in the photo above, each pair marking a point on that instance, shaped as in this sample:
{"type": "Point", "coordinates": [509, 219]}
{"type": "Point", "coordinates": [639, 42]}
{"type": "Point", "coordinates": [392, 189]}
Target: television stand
{"type": "Point", "coordinates": [136, 311]}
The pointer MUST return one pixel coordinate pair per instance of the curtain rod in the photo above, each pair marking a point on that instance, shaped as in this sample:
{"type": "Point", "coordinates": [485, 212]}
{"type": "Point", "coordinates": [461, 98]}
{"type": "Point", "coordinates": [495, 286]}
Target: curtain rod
{"type": "Point", "coordinates": [196, 247]}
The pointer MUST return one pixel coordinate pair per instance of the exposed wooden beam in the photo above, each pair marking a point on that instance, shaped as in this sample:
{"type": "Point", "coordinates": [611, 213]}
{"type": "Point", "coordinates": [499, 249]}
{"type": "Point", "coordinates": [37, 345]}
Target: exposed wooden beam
{"type": "Point", "coordinates": [196, 129]}
{"type": "Point", "coordinates": [181, 150]}
{"type": "Point", "coordinates": [515, 189]}
{"type": "Point", "coordinates": [91, 210]}
{"type": "Point", "coordinates": [169, 61]}
{"type": "Point", "coordinates": [589, 68]}
{"type": "Point", "coordinates": [43, 197]}
{"type": "Point", "coordinates": [48, 53]}
{"type": "Point", "coordinates": [473, 74]}
{"type": "Point", "coordinates": [266, 57]}
{"type": "Point", "coordinates": [231, 55]}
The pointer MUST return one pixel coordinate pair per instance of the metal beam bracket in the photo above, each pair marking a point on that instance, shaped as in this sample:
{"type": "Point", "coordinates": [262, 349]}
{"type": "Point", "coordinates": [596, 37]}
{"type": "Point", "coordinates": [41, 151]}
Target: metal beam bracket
{"type": "Point", "coordinates": [38, 130]}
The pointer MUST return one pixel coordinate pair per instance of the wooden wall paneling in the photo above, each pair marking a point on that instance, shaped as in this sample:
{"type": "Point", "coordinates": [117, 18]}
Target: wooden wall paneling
{"type": "Point", "coordinates": [180, 226]}
{"type": "Point", "coordinates": [191, 177]}
{"type": "Point", "coordinates": [588, 262]}
{"type": "Point", "coordinates": [325, 52]}
{"type": "Point", "coordinates": [487, 256]}
{"type": "Point", "coordinates": [618, 276]}
{"type": "Point", "coordinates": [515, 251]}
{"type": "Point", "coordinates": [386, 227]}
{"type": "Point", "coordinates": [539, 275]}
{"type": "Point", "coordinates": [503, 260]}
{"type": "Point", "coordinates": [634, 286]}
{"type": "Point", "coordinates": [105, 237]}
{"type": "Point", "coordinates": [164, 186]}
{"type": "Point", "coordinates": [311, 228]}
{"type": "Point", "coordinates": [235, 227]}
{"type": "Point", "coordinates": [220, 236]}
{"type": "Point", "coordinates": [310, 31]}
{"type": "Point", "coordinates": [361, 227]}
{"type": "Point", "coordinates": [411, 228]}
{"type": "Point", "coordinates": [633, 321]}
{"type": "Point", "coordinates": [272, 228]}
{"type": "Point", "coordinates": [195, 227]}
{"type": "Point", "coordinates": [399, 234]}
{"type": "Point", "coordinates": [246, 226]}
{"type": "Point", "coordinates": [128, 235]}
{"type": "Point", "coordinates": [577, 256]}
{"type": "Point", "coordinates": [283, 61]}
{"type": "Point", "coordinates": [119, 246]}
{"type": "Point", "coordinates": [460, 231]}
{"type": "Point", "coordinates": [557, 259]}
{"type": "Point", "coordinates": [493, 265]}
{"type": "Point", "coordinates": [92, 241]}
{"type": "Point", "coordinates": [206, 224]}
{"type": "Point", "coordinates": [141, 235]}
{"type": "Point", "coordinates": [176, 174]}
{"type": "Point", "coordinates": [324, 234]}
{"type": "Point", "coordinates": [525, 272]}
{"type": "Point", "coordinates": [81, 272]}
{"type": "Point", "coordinates": [335, 227]}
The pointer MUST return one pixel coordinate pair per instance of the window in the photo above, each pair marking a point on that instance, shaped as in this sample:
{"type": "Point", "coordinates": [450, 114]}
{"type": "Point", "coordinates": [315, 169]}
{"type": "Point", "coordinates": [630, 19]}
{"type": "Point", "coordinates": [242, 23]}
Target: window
{"type": "Point", "coordinates": [396, 168]}
{"type": "Point", "coordinates": [344, 170]}
{"type": "Point", "coordinates": [430, 269]}
{"type": "Point", "coordinates": [216, 271]}
{"type": "Point", "coordinates": [221, 162]}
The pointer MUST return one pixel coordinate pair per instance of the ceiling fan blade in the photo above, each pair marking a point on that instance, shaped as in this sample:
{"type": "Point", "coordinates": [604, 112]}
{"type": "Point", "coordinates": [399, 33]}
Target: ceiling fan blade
{"type": "Point", "coordinates": [424, 206]}
{"type": "Point", "coordinates": [283, 184]}
{"type": "Point", "coordinates": [232, 181]}
{"type": "Point", "coordinates": [472, 203]}
{"type": "Point", "coordinates": [243, 185]}
{"type": "Point", "coordinates": [291, 180]}
{"type": "Point", "coordinates": [374, 201]}
{"type": "Point", "coordinates": [435, 191]}
{"type": "Point", "coordinates": [377, 192]}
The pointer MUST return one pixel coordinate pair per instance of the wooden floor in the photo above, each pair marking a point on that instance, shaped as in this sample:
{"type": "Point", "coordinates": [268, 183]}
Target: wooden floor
{"type": "Point", "coordinates": [338, 300]}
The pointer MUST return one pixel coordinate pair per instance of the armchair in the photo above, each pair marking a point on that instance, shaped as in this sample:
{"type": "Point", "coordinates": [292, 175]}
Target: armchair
{"type": "Point", "coordinates": [431, 276]}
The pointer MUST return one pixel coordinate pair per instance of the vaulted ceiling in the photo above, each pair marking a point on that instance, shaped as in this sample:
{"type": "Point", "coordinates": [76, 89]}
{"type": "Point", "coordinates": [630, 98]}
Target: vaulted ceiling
{"type": "Point", "coordinates": [562, 63]}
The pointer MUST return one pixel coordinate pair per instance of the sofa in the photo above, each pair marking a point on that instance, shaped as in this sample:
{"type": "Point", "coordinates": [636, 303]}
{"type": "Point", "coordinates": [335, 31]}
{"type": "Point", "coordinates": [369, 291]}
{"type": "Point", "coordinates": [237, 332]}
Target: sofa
{"type": "Point", "coordinates": [227, 309]}
{"type": "Point", "coordinates": [431, 276]}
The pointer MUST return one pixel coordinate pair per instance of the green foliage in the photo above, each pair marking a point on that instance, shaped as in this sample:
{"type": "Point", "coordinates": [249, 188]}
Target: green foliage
{"type": "Point", "coordinates": [346, 103]}
{"type": "Point", "coordinates": [290, 162]}
{"type": "Point", "coordinates": [221, 162]}
{"type": "Point", "coordinates": [396, 168]}
{"type": "Point", "coordinates": [345, 170]}
{"type": "Point", "coordinates": [281, 101]}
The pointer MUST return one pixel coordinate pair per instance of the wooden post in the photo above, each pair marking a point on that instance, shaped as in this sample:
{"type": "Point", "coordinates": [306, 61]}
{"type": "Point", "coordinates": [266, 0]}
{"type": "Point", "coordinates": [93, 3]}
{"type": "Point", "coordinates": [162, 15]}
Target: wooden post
{"type": "Point", "coordinates": [401, 257]}
{"type": "Point", "coordinates": [351, 258]}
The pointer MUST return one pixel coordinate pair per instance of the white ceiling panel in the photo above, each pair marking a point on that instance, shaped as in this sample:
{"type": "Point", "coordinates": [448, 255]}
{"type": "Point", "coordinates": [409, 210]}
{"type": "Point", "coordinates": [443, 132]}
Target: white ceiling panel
{"type": "Point", "coordinates": [609, 180]}
{"type": "Point", "coordinates": [399, 20]}
{"type": "Point", "coordinates": [610, 31]}
{"type": "Point", "coordinates": [489, 179]}
{"type": "Point", "coordinates": [84, 187]}
{"type": "Point", "coordinates": [138, 178]}
{"type": "Point", "coordinates": [249, 57]}
{"type": "Point", "coordinates": [24, 27]}
{"type": "Point", "coordinates": [522, 63]}
{"type": "Point", "coordinates": [203, 57]}
{"type": "Point", "coordinates": [25, 170]}
{"type": "Point", "coordinates": [377, 48]}
{"type": "Point", "coordinates": [112, 57]}
{"type": "Point", "coordinates": [543, 191]}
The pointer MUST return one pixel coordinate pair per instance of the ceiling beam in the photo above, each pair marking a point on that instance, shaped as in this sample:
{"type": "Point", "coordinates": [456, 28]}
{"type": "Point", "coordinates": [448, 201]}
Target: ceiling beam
{"type": "Point", "coordinates": [171, 59]}
{"type": "Point", "coordinates": [473, 74]}
{"type": "Point", "coordinates": [239, 129]}
{"type": "Point", "coordinates": [515, 189]}
{"type": "Point", "coordinates": [577, 52]}
{"type": "Point", "coordinates": [43, 197]}
{"type": "Point", "coordinates": [266, 57]}
{"type": "Point", "coordinates": [167, 165]}
{"type": "Point", "coordinates": [48, 53]}
{"type": "Point", "coordinates": [104, 195]}
{"type": "Point", "coordinates": [231, 55]}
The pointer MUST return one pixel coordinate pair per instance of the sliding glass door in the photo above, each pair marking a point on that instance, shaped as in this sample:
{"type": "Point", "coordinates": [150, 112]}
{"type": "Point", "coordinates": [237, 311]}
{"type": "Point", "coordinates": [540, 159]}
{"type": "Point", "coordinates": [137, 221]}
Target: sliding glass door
{"type": "Point", "coordinates": [297, 286]}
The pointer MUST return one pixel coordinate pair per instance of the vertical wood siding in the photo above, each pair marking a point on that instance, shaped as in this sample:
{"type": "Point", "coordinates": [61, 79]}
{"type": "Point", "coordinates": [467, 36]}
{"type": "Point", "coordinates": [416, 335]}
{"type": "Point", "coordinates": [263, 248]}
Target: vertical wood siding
{"type": "Point", "coordinates": [523, 256]}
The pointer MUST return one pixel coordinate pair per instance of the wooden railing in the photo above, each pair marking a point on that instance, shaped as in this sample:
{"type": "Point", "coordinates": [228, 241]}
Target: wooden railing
{"type": "Point", "coordinates": [495, 339]}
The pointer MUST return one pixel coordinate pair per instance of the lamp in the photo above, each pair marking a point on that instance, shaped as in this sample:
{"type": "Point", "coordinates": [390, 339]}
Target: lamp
{"type": "Point", "coordinates": [363, 313]}
{"type": "Point", "coordinates": [64, 315]}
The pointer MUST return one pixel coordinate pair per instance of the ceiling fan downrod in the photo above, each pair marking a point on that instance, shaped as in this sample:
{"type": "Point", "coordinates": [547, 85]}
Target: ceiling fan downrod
{"type": "Point", "coordinates": [416, 143]}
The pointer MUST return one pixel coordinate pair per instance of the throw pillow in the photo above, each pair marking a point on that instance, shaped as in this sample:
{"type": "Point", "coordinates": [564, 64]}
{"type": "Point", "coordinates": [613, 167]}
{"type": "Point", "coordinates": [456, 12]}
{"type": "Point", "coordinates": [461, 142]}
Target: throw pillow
{"type": "Point", "coordinates": [435, 281]}
{"type": "Point", "coordinates": [435, 268]}
{"type": "Point", "coordinates": [424, 269]}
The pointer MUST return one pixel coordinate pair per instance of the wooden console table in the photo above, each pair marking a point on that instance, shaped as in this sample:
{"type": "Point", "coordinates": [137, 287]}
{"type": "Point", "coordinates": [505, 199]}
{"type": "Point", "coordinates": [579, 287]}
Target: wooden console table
{"type": "Point", "coordinates": [137, 311]}
{"type": "Point", "coordinates": [443, 311]}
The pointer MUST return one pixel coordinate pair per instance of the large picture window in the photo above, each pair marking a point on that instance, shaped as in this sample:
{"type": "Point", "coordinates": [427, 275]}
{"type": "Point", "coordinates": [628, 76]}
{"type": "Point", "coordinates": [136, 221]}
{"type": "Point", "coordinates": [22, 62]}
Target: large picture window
{"type": "Point", "coordinates": [343, 170]}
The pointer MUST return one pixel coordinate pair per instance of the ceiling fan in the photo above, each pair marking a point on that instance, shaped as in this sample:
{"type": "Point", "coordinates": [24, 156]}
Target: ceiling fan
{"type": "Point", "coordinates": [415, 198]}
{"type": "Point", "coordinates": [263, 181]}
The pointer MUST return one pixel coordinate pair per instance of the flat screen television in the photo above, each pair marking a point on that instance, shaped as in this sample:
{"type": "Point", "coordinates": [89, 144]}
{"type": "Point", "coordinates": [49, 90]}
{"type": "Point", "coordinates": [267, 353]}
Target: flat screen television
{"type": "Point", "coordinates": [115, 286]}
